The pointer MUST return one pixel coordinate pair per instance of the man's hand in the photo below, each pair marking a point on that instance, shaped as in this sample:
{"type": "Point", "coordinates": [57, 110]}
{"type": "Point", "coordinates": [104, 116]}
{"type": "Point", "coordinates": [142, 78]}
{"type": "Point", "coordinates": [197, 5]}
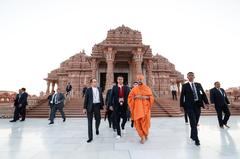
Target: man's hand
{"type": "Point", "coordinates": [138, 97]}
{"type": "Point", "coordinates": [207, 106]}
{"type": "Point", "coordinates": [145, 97]}
{"type": "Point", "coordinates": [111, 108]}
{"type": "Point", "coordinates": [84, 111]}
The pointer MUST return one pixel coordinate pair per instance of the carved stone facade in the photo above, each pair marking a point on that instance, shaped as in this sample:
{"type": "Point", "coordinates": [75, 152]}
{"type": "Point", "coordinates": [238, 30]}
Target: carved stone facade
{"type": "Point", "coordinates": [121, 53]}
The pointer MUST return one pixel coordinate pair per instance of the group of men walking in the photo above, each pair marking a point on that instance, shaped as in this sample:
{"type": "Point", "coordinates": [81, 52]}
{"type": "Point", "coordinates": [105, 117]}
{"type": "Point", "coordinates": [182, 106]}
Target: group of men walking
{"type": "Point", "coordinates": [120, 100]}
{"type": "Point", "coordinates": [20, 104]}
{"type": "Point", "coordinates": [193, 97]}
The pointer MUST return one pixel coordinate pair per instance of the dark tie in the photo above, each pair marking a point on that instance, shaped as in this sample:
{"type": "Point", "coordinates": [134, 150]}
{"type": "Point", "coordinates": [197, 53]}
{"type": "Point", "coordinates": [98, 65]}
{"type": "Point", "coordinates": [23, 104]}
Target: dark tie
{"type": "Point", "coordinates": [195, 96]}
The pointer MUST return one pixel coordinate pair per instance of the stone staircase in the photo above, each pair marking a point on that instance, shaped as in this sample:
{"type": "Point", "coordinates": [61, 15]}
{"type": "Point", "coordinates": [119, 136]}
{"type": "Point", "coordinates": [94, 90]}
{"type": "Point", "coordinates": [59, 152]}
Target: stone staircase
{"type": "Point", "coordinates": [163, 107]}
{"type": "Point", "coordinates": [172, 107]}
{"type": "Point", "coordinates": [74, 109]}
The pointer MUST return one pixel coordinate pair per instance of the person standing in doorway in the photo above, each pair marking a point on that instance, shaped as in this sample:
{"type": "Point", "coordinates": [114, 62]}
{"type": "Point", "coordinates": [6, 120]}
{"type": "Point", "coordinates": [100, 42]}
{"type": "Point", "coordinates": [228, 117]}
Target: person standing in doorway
{"type": "Point", "coordinates": [173, 89]}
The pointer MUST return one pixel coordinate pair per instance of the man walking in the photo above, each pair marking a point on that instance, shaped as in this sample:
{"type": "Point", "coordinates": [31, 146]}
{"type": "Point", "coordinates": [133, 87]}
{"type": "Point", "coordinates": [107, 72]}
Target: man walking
{"type": "Point", "coordinates": [58, 104]}
{"type": "Point", "coordinates": [219, 98]}
{"type": "Point", "coordinates": [93, 102]}
{"type": "Point", "coordinates": [192, 98]}
{"type": "Point", "coordinates": [119, 105]}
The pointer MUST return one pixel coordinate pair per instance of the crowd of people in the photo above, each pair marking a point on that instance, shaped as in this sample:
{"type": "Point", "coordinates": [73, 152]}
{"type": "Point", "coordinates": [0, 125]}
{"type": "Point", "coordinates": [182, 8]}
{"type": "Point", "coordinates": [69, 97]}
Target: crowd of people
{"type": "Point", "coordinates": [123, 103]}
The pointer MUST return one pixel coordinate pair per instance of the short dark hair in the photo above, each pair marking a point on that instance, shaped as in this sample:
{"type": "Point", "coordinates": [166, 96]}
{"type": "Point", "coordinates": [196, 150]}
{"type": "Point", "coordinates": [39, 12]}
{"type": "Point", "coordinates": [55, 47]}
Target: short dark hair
{"type": "Point", "coordinates": [120, 76]}
{"type": "Point", "coordinates": [216, 82]}
{"type": "Point", "coordinates": [24, 89]}
{"type": "Point", "coordinates": [190, 73]}
{"type": "Point", "coordinates": [91, 80]}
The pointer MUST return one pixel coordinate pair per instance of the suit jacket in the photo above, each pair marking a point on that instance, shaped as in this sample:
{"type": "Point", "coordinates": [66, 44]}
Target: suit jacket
{"type": "Point", "coordinates": [50, 99]}
{"type": "Point", "coordinates": [69, 88]}
{"type": "Point", "coordinates": [187, 98]}
{"type": "Point", "coordinates": [108, 97]}
{"type": "Point", "coordinates": [217, 98]}
{"type": "Point", "coordinates": [23, 99]}
{"type": "Point", "coordinates": [60, 100]}
{"type": "Point", "coordinates": [115, 97]}
{"type": "Point", "coordinates": [16, 103]}
{"type": "Point", "coordinates": [88, 100]}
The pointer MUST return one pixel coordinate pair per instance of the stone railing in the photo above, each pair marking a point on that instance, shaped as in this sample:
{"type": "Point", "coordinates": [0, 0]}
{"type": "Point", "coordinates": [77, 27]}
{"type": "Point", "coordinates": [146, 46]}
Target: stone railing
{"type": "Point", "coordinates": [7, 108]}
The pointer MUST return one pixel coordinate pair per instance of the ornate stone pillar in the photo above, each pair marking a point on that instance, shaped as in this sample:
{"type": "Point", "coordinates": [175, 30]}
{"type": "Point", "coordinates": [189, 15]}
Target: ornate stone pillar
{"type": "Point", "coordinates": [48, 86]}
{"type": "Point", "coordinates": [137, 60]}
{"type": "Point", "coordinates": [178, 87]}
{"type": "Point", "coordinates": [149, 73]}
{"type": "Point", "coordinates": [53, 85]}
{"type": "Point", "coordinates": [94, 67]}
{"type": "Point", "coordinates": [110, 56]}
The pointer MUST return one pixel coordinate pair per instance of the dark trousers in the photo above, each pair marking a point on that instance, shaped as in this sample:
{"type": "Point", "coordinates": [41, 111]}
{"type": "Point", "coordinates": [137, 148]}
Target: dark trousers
{"type": "Point", "coordinates": [220, 110]}
{"type": "Point", "coordinates": [194, 115]}
{"type": "Point", "coordinates": [109, 117]}
{"type": "Point", "coordinates": [117, 115]}
{"type": "Point", "coordinates": [19, 111]}
{"type": "Point", "coordinates": [56, 108]}
{"type": "Point", "coordinates": [97, 116]}
{"type": "Point", "coordinates": [16, 113]}
{"type": "Point", "coordinates": [23, 112]}
{"type": "Point", "coordinates": [174, 95]}
{"type": "Point", "coordinates": [51, 110]}
{"type": "Point", "coordinates": [185, 115]}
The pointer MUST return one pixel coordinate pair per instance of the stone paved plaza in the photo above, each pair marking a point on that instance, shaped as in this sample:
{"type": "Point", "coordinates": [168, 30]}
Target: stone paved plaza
{"type": "Point", "coordinates": [35, 139]}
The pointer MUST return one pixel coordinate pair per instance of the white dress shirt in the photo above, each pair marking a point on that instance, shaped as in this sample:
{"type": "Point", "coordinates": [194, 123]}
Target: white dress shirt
{"type": "Point", "coordinates": [173, 87]}
{"type": "Point", "coordinates": [96, 98]}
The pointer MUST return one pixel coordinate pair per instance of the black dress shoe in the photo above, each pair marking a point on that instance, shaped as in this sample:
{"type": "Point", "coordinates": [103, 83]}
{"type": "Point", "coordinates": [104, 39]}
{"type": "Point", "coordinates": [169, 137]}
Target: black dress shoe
{"type": "Point", "coordinates": [51, 123]}
{"type": "Point", "coordinates": [97, 132]}
{"type": "Point", "coordinates": [89, 140]}
{"type": "Point", "coordinates": [197, 143]}
{"type": "Point", "coordinates": [64, 119]}
{"type": "Point", "coordinates": [221, 127]}
{"type": "Point", "coordinates": [22, 120]}
{"type": "Point", "coordinates": [12, 121]}
{"type": "Point", "coordinates": [226, 126]}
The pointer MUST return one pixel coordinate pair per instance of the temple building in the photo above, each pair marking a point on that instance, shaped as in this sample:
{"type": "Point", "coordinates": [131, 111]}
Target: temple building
{"type": "Point", "coordinates": [121, 53]}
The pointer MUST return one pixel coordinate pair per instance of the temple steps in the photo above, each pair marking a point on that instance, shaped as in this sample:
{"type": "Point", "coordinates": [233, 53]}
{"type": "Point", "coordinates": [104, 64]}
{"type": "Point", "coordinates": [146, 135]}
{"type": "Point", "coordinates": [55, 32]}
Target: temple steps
{"type": "Point", "coordinates": [162, 107]}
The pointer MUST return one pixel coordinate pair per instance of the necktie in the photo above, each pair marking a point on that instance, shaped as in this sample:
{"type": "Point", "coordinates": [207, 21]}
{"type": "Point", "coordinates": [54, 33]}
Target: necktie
{"type": "Point", "coordinates": [220, 91]}
{"type": "Point", "coordinates": [195, 96]}
{"type": "Point", "coordinates": [56, 99]}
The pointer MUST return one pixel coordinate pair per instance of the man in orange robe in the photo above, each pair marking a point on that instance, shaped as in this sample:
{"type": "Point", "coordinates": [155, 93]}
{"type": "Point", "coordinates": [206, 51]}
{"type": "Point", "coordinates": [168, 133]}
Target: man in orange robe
{"type": "Point", "coordinates": [140, 101]}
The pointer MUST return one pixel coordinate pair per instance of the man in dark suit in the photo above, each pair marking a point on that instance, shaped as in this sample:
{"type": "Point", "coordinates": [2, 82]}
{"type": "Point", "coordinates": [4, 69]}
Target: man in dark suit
{"type": "Point", "coordinates": [22, 103]}
{"type": "Point", "coordinates": [219, 98]}
{"type": "Point", "coordinates": [93, 102]}
{"type": "Point", "coordinates": [119, 104]}
{"type": "Point", "coordinates": [192, 98]}
{"type": "Point", "coordinates": [68, 89]}
{"type": "Point", "coordinates": [50, 104]}
{"type": "Point", "coordinates": [84, 91]}
{"type": "Point", "coordinates": [58, 104]}
{"type": "Point", "coordinates": [16, 105]}
{"type": "Point", "coordinates": [109, 113]}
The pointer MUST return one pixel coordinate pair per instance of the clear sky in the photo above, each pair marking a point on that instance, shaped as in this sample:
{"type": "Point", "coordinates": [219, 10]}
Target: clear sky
{"type": "Point", "coordinates": [199, 36]}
